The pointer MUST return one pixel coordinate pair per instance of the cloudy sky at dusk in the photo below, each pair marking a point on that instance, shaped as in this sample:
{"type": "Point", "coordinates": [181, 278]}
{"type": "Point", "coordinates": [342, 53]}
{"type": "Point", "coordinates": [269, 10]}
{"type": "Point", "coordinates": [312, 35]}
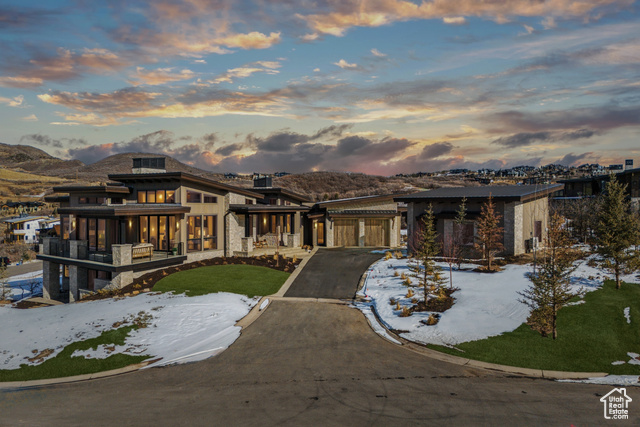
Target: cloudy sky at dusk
{"type": "Point", "coordinates": [381, 87]}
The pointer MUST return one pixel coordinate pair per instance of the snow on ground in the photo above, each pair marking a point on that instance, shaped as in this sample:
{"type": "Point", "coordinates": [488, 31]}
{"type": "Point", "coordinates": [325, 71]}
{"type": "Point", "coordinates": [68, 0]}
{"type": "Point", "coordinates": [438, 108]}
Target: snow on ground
{"type": "Point", "coordinates": [627, 314]}
{"type": "Point", "coordinates": [627, 380]}
{"type": "Point", "coordinates": [486, 304]}
{"type": "Point", "coordinates": [22, 285]}
{"type": "Point", "coordinates": [181, 329]}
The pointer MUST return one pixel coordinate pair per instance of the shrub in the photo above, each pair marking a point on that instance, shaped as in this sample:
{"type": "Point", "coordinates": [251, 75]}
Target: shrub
{"type": "Point", "coordinates": [432, 320]}
{"type": "Point", "coordinates": [387, 256]}
{"type": "Point", "coordinates": [403, 276]}
{"type": "Point", "coordinates": [396, 274]}
{"type": "Point", "coordinates": [393, 301]}
{"type": "Point", "coordinates": [398, 254]}
{"type": "Point", "coordinates": [406, 312]}
{"type": "Point", "coordinates": [398, 306]}
{"type": "Point", "coordinates": [410, 293]}
{"type": "Point", "coordinates": [407, 282]}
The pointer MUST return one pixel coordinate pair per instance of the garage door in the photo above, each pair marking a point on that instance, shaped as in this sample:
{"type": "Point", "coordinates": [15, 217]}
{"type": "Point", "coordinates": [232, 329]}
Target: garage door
{"type": "Point", "coordinates": [376, 232]}
{"type": "Point", "coordinates": [346, 232]}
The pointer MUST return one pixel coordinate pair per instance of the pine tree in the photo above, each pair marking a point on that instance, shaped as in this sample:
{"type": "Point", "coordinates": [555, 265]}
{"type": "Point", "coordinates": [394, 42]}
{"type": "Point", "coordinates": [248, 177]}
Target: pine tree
{"type": "Point", "coordinates": [426, 247]}
{"type": "Point", "coordinates": [617, 232]}
{"type": "Point", "coordinates": [550, 289]}
{"type": "Point", "coordinates": [489, 235]}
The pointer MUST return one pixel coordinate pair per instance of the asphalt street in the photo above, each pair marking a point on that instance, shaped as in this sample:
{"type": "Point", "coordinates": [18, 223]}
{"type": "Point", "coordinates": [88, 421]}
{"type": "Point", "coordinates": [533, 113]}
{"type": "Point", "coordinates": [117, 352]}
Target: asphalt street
{"type": "Point", "coordinates": [306, 363]}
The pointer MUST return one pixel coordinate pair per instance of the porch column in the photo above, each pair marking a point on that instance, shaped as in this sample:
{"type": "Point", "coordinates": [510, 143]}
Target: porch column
{"type": "Point", "coordinates": [121, 256]}
{"type": "Point", "coordinates": [50, 280]}
{"type": "Point", "coordinates": [78, 279]}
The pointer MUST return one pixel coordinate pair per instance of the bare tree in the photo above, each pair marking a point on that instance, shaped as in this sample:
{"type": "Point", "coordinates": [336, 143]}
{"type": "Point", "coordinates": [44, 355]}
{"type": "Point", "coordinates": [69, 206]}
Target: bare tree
{"type": "Point", "coordinates": [489, 236]}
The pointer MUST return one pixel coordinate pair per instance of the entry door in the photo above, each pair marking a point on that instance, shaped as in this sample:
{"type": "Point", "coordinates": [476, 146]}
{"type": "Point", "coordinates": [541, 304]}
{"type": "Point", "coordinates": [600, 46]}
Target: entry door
{"type": "Point", "coordinates": [345, 232]}
{"type": "Point", "coordinates": [320, 233]}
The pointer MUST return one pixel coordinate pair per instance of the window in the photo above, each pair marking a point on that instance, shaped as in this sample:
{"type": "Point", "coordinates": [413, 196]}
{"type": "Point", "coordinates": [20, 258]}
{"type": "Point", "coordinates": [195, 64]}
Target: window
{"type": "Point", "coordinates": [102, 235]}
{"type": "Point", "coordinates": [193, 197]}
{"type": "Point", "coordinates": [116, 200]}
{"type": "Point", "coordinates": [171, 197]}
{"type": "Point", "coordinates": [92, 200]}
{"type": "Point", "coordinates": [273, 201]}
{"type": "Point", "coordinates": [287, 203]}
{"type": "Point", "coordinates": [142, 197]}
{"type": "Point", "coordinates": [92, 234]}
{"type": "Point", "coordinates": [209, 225]}
{"type": "Point", "coordinates": [210, 199]}
{"type": "Point", "coordinates": [82, 229]}
{"type": "Point", "coordinates": [151, 196]}
{"type": "Point", "coordinates": [248, 201]}
{"type": "Point", "coordinates": [156, 196]}
{"type": "Point", "coordinates": [194, 234]}
{"type": "Point", "coordinates": [144, 229]}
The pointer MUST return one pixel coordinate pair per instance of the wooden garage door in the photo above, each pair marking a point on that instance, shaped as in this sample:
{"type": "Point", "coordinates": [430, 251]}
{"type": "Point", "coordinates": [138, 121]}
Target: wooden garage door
{"type": "Point", "coordinates": [346, 232]}
{"type": "Point", "coordinates": [376, 232]}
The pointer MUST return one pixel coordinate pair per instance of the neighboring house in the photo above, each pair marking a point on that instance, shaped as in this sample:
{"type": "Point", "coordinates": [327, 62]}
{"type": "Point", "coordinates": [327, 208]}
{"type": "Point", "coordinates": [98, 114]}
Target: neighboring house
{"type": "Point", "coordinates": [23, 229]}
{"type": "Point", "coordinates": [524, 210]}
{"type": "Point", "coordinates": [594, 185]}
{"type": "Point", "coordinates": [358, 221]}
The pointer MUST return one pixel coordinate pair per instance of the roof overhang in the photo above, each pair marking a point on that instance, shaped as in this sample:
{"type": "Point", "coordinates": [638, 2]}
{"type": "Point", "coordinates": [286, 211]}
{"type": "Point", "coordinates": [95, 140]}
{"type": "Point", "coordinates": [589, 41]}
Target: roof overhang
{"type": "Point", "coordinates": [126, 210]}
{"type": "Point", "coordinates": [243, 209]}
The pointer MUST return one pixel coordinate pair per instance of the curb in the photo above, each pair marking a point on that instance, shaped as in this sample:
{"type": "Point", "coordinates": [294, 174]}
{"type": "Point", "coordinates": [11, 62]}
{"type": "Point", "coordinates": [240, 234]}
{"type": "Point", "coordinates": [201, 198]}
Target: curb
{"type": "Point", "coordinates": [462, 361]}
{"type": "Point", "coordinates": [73, 379]}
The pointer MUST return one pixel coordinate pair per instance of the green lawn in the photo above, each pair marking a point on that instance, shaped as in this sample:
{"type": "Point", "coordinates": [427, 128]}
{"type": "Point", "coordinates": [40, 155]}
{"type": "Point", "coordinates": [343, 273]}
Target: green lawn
{"type": "Point", "coordinates": [247, 280]}
{"type": "Point", "coordinates": [590, 337]}
{"type": "Point", "coordinates": [63, 365]}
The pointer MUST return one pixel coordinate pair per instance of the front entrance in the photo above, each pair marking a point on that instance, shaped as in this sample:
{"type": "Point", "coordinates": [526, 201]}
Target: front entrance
{"type": "Point", "coordinates": [345, 232]}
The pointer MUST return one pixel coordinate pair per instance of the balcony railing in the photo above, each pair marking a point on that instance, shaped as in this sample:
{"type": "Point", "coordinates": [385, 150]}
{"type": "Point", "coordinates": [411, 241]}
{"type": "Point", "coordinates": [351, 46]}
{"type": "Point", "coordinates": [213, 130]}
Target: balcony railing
{"type": "Point", "coordinates": [63, 249]}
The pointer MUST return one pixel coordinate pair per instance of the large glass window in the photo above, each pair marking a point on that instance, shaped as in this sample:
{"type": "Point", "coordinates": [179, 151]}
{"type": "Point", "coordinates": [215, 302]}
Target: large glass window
{"type": "Point", "coordinates": [159, 196]}
{"type": "Point", "coordinates": [142, 197]}
{"type": "Point", "coordinates": [65, 227]}
{"type": "Point", "coordinates": [193, 197]}
{"type": "Point", "coordinates": [210, 199]}
{"type": "Point", "coordinates": [209, 225]}
{"type": "Point", "coordinates": [171, 197]}
{"type": "Point", "coordinates": [92, 234]}
{"type": "Point", "coordinates": [194, 233]}
{"type": "Point", "coordinates": [102, 235]}
{"type": "Point", "coordinates": [144, 229]}
{"type": "Point", "coordinates": [82, 229]}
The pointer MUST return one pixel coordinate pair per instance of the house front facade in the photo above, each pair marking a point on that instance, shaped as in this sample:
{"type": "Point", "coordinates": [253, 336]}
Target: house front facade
{"type": "Point", "coordinates": [524, 211]}
{"type": "Point", "coordinates": [136, 223]}
{"type": "Point", "coordinates": [23, 229]}
{"type": "Point", "coordinates": [370, 221]}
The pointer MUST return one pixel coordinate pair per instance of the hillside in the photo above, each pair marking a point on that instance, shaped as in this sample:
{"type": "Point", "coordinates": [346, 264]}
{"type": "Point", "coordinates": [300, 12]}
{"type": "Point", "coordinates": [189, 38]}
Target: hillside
{"type": "Point", "coordinates": [23, 186]}
{"type": "Point", "coordinates": [335, 185]}
{"type": "Point", "coordinates": [121, 163]}
{"type": "Point", "coordinates": [33, 160]}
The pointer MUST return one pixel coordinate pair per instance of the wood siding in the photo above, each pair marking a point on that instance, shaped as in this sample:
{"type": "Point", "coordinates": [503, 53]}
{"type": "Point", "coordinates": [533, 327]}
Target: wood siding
{"type": "Point", "coordinates": [346, 232]}
{"type": "Point", "coordinates": [376, 232]}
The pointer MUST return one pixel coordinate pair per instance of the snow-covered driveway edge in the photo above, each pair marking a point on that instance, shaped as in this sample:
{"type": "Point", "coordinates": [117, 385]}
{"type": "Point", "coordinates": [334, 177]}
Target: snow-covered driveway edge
{"type": "Point", "coordinates": [180, 329]}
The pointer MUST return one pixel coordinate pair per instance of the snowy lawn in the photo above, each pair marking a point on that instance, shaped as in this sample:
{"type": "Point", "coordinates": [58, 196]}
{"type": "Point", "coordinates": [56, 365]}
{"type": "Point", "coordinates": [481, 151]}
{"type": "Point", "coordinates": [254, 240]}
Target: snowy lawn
{"type": "Point", "coordinates": [179, 329]}
{"type": "Point", "coordinates": [25, 285]}
{"type": "Point", "coordinates": [592, 335]}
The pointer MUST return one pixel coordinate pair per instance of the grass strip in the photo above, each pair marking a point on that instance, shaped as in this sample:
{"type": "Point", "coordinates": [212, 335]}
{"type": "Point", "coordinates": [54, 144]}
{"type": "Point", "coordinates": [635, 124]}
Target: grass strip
{"type": "Point", "coordinates": [63, 365]}
{"type": "Point", "coordinates": [241, 279]}
{"type": "Point", "coordinates": [590, 337]}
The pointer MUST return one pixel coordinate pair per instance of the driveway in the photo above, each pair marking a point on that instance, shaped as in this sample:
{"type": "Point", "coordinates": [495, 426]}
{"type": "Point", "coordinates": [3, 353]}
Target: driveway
{"type": "Point", "coordinates": [310, 363]}
{"type": "Point", "coordinates": [332, 273]}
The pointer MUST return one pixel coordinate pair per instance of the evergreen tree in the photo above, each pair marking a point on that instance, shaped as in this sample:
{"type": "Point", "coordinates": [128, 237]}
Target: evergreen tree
{"type": "Point", "coordinates": [550, 289]}
{"type": "Point", "coordinates": [489, 235]}
{"type": "Point", "coordinates": [426, 247]}
{"type": "Point", "coordinates": [618, 232]}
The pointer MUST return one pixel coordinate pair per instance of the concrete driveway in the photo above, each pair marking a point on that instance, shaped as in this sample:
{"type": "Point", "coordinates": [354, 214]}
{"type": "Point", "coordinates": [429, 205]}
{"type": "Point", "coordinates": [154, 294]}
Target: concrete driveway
{"type": "Point", "coordinates": [332, 273]}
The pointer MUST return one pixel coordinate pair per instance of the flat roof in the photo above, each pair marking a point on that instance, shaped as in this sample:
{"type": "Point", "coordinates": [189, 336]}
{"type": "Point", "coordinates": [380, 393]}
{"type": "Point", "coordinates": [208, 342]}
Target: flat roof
{"type": "Point", "coordinates": [182, 176]}
{"type": "Point", "coordinates": [284, 191]}
{"type": "Point", "coordinates": [98, 189]}
{"type": "Point", "coordinates": [521, 192]}
{"type": "Point", "coordinates": [354, 199]}
{"type": "Point", "coordinates": [128, 209]}
{"type": "Point", "coordinates": [258, 208]}
{"type": "Point", "coordinates": [24, 219]}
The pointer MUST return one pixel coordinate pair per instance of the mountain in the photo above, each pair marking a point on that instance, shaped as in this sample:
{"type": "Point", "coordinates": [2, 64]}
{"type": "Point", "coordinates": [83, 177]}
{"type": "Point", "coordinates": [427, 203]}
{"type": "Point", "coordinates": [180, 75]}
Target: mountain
{"type": "Point", "coordinates": [33, 160]}
{"type": "Point", "coordinates": [121, 163]}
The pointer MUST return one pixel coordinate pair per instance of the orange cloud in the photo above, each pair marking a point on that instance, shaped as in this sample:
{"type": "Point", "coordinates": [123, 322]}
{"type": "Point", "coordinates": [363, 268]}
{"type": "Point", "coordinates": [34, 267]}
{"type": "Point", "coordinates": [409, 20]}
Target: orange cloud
{"type": "Point", "coordinates": [159, 76]}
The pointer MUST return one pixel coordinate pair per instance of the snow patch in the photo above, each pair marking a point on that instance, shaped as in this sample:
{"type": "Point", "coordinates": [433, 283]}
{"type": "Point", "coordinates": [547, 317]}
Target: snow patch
{"type": "Point", "coordinates": [264, 304]}
{"type": "Point", "coordinates": [626, 380]}
{"type": "Point", "coordinates": [618, 362]}
{"type": "Point", "coordinates": [181, 329]}
{"type": "Point", "coordinates": [627, 314]}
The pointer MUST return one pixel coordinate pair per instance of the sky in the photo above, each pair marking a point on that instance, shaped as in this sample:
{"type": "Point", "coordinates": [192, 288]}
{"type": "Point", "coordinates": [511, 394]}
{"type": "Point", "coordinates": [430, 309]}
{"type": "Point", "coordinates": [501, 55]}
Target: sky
{"type": "Point", "coordinates": [381, 87]}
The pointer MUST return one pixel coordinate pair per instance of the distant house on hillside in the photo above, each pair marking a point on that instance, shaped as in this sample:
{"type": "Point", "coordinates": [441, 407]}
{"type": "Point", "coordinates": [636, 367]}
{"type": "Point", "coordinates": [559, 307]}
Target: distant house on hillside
{"type": "Point", "coordinates": [23, 229]}
{"type": "Point", "coordinates": [524, 210]}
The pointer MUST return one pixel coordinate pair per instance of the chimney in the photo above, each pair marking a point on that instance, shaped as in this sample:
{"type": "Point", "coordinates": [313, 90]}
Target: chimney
{"type": "Point", "coordinates": [148, 165]}
{"type": "Point", "coordinates": [263, 182]}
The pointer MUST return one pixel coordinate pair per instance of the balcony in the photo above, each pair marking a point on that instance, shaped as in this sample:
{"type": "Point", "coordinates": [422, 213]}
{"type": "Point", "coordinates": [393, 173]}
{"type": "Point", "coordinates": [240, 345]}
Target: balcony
{"type": "Point", "coordinates": [120, 258]}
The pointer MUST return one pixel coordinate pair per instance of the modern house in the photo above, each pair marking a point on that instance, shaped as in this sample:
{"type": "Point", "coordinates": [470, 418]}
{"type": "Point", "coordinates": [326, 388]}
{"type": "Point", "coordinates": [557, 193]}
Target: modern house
{"type": "Point", "coordinates": [524, 210]}
{"type": "Point", "coordinates": [141, 221]}
{"type": "Point", "coordinates": [150, 219]}
{"type": "Point", "coordinates": [594, 185]}
{"type": "Point", "coordinates": [358, 221]}
{"type": "Point", "coordinates": [23, 229]}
